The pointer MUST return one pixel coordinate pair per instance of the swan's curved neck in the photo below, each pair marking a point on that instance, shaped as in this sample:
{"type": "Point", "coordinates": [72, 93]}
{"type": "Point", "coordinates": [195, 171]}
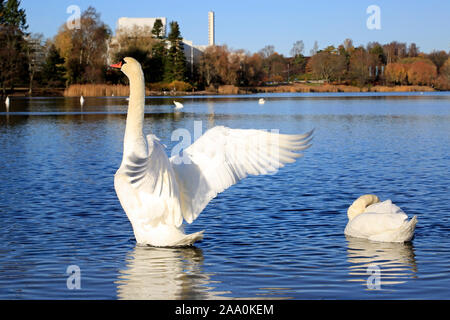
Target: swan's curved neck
{"type": "Point", "coordinates": [135, 117]}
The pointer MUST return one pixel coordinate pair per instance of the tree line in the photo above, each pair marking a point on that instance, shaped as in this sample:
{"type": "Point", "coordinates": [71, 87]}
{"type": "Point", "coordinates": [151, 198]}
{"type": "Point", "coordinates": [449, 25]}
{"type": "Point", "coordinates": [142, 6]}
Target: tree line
{"type": "Point", "coordinates": [80, 55]}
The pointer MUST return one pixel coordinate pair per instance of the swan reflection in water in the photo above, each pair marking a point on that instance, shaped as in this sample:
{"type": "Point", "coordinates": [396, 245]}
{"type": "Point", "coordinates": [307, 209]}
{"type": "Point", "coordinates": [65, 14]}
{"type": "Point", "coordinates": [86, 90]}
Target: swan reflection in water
{"type": "Point", "coordinates": [165, 273]}
{"type": "Point", "coordinates": [395, 261]}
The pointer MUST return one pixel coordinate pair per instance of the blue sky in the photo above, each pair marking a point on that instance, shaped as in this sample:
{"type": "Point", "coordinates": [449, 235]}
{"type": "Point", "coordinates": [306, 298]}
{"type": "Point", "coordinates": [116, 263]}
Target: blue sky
{"type": "Point", "coordinates": [251, 25]}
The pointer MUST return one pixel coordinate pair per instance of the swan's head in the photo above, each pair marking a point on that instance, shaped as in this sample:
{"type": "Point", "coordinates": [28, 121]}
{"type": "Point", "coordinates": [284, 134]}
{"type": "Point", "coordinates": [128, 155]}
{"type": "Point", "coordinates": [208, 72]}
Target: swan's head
{"type": "Point", "coordinates": [129, 66]}
{"type": "Point", "coordinates": [360, 204]}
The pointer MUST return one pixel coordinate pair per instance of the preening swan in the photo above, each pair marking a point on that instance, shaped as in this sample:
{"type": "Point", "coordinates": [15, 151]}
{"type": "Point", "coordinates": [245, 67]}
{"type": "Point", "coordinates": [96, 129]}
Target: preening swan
{"type": "Point", "coordinates": [178, 105]}
{"type": "Point", "coordinates": [262, 101]}
{"type": "Point", "coordinates": [379, 221]}
{"type": "Point", "coordinates": [157, 193]}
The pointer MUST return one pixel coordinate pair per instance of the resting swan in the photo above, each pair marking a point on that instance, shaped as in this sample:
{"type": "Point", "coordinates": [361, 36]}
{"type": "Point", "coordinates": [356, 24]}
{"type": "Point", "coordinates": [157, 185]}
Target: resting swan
{"type": "Point", "coordinates": [379, 221]}
{"type": "Point", "coordinates": [157, 193]}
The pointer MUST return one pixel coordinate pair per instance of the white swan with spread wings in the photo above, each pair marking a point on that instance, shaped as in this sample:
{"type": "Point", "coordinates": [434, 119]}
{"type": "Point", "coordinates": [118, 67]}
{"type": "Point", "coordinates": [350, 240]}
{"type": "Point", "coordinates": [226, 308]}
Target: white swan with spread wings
{"type": "Point", "coordinates": [158, 192]}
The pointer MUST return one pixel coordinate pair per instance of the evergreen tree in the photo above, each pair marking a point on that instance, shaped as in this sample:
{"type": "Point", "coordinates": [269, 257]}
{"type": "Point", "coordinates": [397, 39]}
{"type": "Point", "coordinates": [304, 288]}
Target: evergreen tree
{"type": "Point", "coordinates": [2, 14]}
{"type": "Point", "coordinates": [13, 47]}
{"type": "Point", "coordinates": [158, 61]}
{"type": "Point", "coordinates": [53, 69]}
{"type": "Point", "coordinates": [11, 14]}
{"type": "Point", "coordinates": [157, 30]}
{"type": "Point", "coordinates": [176, 60]}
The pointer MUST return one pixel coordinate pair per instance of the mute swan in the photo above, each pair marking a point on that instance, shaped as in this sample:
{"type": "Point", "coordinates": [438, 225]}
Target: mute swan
{"type": "Point", "coordinates": [7, 102]}
{"type": "Point", "coordinates": [157, 193]}
{"type": "Point", "coordinates": [178, 105]}
{"type": "Point", "coordinates": [82, 100]}
{"type": "Point", "coordinates": [379, 221]}
{"type": "Point", "coordinates": [261, 101]}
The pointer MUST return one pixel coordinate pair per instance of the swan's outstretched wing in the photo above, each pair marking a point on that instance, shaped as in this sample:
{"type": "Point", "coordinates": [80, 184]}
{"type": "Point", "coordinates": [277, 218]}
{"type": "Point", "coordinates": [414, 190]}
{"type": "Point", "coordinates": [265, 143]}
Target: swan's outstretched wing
{"type": "Point", "coordinates": [223, 156]}
{"type": "Point", "coordinates": [147, 188]}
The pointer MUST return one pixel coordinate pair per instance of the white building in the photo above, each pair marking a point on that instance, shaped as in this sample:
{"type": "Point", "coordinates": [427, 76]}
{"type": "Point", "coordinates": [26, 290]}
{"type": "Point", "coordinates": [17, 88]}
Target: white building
{"type": "Point", "coordinates": [191, 51]}
{"type": "Point", "coordinates": [124, 24]}
{"type": "Point", "coordinates": [211, 31]}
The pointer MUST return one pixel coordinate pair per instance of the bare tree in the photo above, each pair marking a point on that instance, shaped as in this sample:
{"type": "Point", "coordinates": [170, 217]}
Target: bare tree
{"type": "Point", "coordinates": [35, 54]}
{"type": "Point", "coordinates": [327, 66]}
{"type": "Point", "coordinates": [315, 49]}
{"type": "Point", "coordinates": [267, 51]}
{"type": "Point", "coordinates": [297, 48]}
{"type": "Point", "coordinates": [348, 44]}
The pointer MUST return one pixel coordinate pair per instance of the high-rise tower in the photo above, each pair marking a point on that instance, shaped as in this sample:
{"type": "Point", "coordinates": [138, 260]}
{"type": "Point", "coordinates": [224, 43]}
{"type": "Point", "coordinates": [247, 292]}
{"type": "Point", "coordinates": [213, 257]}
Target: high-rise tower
{"type": "Point", "coordinates": [211, 34]}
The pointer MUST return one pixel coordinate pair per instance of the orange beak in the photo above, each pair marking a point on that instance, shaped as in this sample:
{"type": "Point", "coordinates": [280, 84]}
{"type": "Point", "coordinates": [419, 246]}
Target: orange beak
{"type": "Point", "coordinates": [117, 65]}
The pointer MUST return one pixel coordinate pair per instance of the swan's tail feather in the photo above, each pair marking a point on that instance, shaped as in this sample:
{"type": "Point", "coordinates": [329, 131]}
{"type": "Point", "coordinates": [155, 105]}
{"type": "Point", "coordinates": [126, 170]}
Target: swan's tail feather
{"type": "Point", "coordinates": [407, 230]}
{"type": "Point", "coordinates": [189, 239]}
{"type": "Point", "coordinates": [403, 234]}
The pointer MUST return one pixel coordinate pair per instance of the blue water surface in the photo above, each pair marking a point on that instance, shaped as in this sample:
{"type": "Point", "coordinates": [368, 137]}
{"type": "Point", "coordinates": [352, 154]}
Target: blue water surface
{"type": "Point", "coordinates": [268, 237]}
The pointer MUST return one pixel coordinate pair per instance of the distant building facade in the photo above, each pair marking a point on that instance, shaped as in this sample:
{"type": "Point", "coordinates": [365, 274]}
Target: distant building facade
{"type": "Point", "coordinates": [124, 24]}
{"type": "Point", "coordinates": [191, 51]}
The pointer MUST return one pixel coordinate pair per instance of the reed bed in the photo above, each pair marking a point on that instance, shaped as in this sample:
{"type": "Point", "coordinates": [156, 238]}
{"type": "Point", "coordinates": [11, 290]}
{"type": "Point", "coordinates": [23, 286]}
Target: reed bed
{"type": "Point", "coordinates": [98, 90]}
{"type": "Point", "coordinates": [401, 89]}
{"type": "Point", "coordinates": [101, 90]}
{"type": "Point", "coordinates": [298, 87]}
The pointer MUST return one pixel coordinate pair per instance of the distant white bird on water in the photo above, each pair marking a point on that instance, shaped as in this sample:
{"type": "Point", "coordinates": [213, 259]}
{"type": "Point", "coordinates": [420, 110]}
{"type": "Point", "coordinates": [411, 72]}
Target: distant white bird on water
{"type": "Point", "coordinates": [7, 102]}
{"type": "Point", "coordinates": [379, 221]}
{"type": "Point", "coordinates": [178, 105]}
{"type": "Point", "coordinates": [157, 192]}
{"type": "Point", "coordinates": [262, 101]}
{"type": "Point", "coordinates": [82, 100]}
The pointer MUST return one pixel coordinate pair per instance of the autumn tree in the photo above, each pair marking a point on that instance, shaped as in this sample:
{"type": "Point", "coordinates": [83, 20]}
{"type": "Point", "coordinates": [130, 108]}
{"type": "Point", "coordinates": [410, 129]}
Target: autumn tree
{"type": "Point", "coordinates": [252, 70]}
{"type": "Point", "coordinates": [85, 49]}
{"type": "Point", "coordinates": [214, 65]}
{"type": "Point", "coordinates": [396, 73]}
{"type": "Point", "coordinates": [327, 66]}
{"type": "Point", "coordinates": [362, 66]}
{"type": "Point", "coordinates": [422, 73]}
{"type": "Point", "coordinates": [443, 81]}
{"type": "Point", "coordinates": [438, 58]}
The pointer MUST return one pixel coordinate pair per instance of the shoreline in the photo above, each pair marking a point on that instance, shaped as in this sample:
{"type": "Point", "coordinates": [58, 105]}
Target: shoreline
{"type": "Point", "coordinates": [113, 90]}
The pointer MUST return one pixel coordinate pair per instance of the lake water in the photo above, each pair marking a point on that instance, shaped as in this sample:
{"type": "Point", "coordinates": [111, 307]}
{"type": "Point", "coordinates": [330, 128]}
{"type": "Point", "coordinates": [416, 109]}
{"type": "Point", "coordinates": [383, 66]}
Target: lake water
{"type": "Point", "coordinates": [268, 237]}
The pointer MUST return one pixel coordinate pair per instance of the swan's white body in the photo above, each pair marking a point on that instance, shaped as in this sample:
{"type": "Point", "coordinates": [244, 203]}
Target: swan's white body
{"type": "Point", "coordinates": [178, 105]}
{"type": "Point", "coordinates": [7, 102]}
{"type": "Point", "coordinates": [261, 101]}
{"type": "Point", "coordinates": [379, 221]}
{"type": "Point", "coordinates": [158, 193]}
{"type": "Point", "coordinates": [82, 100]}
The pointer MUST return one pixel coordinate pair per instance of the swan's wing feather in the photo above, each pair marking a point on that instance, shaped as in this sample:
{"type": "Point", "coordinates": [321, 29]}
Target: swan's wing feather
{"type": "Point", "coordinates": [223, 156]}
{"type": "Point", "coordinates": [147, 188]}
{"type": "Point", "coordinates": [371, 223]}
